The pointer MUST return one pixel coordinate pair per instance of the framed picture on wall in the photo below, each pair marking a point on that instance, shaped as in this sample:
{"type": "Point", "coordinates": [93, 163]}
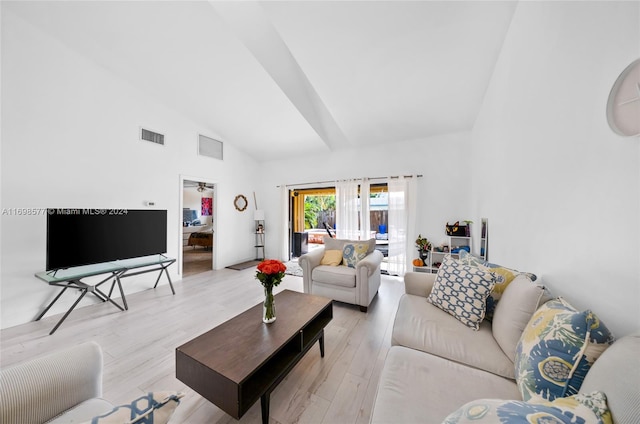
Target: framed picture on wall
{"type": "Point", "coordinates": [207, 206]}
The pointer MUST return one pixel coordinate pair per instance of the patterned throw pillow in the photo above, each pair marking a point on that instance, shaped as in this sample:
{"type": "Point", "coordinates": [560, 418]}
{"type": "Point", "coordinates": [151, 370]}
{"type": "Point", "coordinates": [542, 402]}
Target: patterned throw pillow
{"type": "Point", "coordinates": [153, 408]}
{"type": "Point", "coordinates": [504, 276]}
{"type": "Point", "coordinates": [556, 350]}
{"type": "Point", "coordinates": [462, 291]}
{"type": "Point", "coordinates": [582, 408]}
{"type": "Point", "coordinates": [354, 253]}
{"type": "Point", "coordinates": [331, 257]}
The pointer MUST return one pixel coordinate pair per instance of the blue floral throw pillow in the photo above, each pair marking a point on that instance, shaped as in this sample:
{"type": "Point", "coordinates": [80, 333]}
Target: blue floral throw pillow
{"type": "Point", "coordinates": [352, 253]}
{"type": "Point", "coordinates": [556, 350]}
{"type": "Point", "coordinates": [462, 291]}
{"type": "Point", "coordinates": [153, 408]}
{"type": "Point", "coordinates": [578, 409]}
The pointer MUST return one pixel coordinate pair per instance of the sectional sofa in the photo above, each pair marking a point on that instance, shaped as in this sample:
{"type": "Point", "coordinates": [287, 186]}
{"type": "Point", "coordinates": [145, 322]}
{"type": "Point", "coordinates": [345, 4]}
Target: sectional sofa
{"type": "Point", "coordinates": [439, 369]}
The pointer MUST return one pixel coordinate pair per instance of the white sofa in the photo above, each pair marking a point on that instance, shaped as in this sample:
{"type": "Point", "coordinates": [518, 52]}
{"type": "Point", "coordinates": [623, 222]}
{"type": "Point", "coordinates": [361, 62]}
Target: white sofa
{"type": "Point", "coordinates": [357, 286]}
{"type": "Point", "coordinates": [65, 386]}
{"type": "Point", "coordinates": [65, 381]}
{"type": "Point", "coordinates": [436, 364]}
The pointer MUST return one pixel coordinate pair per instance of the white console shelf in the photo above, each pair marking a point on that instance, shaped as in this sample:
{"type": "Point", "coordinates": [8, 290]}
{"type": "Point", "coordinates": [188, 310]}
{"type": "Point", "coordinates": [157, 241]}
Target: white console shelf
{"type": "Point", "coordinates": [434, 258]}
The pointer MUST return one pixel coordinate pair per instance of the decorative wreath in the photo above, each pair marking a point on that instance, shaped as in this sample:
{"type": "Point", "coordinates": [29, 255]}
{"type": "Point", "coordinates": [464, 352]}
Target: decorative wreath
{"type": "Point", "coordinates": [240, 202]}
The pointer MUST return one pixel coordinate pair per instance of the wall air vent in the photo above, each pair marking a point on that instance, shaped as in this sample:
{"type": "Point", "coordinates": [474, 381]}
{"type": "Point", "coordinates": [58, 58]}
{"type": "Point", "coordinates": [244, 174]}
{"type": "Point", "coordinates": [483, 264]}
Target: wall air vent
{"type": "Point", "coordinates": [151, 136]}
{"type": "Point", "coordinates": [209, 147]}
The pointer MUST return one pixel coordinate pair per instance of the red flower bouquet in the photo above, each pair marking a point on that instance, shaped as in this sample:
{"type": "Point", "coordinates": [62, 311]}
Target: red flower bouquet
{"type": "Point", "coordinates": [270, 272]}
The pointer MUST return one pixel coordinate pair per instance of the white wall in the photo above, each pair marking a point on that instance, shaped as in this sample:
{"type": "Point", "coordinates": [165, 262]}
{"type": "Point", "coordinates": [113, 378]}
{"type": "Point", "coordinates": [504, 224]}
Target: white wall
{"type": "Point", "coordinates": [443, 191]}
{"type": "Point", "coordinates": [561, 191]}
{"type": "Point", "coordinates": [70, 139]}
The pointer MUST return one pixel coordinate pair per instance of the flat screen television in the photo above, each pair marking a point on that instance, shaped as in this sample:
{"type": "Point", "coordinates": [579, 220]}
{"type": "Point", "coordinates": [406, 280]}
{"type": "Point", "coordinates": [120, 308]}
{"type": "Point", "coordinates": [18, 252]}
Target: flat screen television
{"type": "Point", "coordinates": [78, 237]}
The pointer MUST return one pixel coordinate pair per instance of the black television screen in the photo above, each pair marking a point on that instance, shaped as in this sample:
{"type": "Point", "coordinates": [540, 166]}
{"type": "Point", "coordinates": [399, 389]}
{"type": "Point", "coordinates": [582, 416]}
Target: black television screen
{"type": "Point", "coordinates": [88, 236]}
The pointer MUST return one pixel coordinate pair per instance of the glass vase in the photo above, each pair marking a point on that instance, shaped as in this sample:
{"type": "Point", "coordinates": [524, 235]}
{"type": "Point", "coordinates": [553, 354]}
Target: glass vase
{"type": "Point", "coordinates": [269, 306]}
{"type": "Point", "coordinates": [424, 255]}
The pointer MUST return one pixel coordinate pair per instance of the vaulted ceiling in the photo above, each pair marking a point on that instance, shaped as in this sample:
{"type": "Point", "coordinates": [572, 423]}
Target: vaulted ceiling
{"type": "Point", "coordinates": [287, 78]}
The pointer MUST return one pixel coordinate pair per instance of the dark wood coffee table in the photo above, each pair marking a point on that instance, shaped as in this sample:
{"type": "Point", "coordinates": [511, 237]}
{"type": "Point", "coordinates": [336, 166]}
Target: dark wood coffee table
{"type": "Point", "coordinates": [244, 359]}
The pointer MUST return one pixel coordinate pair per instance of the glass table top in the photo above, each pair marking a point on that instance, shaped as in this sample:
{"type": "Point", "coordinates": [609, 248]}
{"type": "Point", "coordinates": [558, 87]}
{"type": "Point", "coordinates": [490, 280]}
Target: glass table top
{"type": "Point", "coordinates": [83, 271]}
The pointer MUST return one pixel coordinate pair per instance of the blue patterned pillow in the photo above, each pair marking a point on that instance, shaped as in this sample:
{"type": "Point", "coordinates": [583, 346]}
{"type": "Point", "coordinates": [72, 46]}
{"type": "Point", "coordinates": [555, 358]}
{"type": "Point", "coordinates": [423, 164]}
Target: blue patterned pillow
{"type": "Point", "coordinates": [578, 409]}
{"type": "Point", "coordinates": [153, 408]}
{"type": "Point", "coordinates": [462, 291]}
{"type": "Point", "coordinates": [556, 350]}
{"type": "Point", "coordinates": [352, 253]}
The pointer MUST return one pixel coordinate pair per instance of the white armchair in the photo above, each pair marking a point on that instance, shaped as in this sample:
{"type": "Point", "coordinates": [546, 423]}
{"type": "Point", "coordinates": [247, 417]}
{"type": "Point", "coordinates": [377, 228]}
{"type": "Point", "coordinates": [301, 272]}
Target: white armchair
{"type": "Point", "coordinates": [357, 286]}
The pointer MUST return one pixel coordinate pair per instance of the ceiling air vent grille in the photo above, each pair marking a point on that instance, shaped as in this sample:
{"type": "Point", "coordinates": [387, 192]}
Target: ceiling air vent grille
{"type": "Point", "coordinates": [151, 136]}
{"type": "Point", "coordinates": [209, 147]}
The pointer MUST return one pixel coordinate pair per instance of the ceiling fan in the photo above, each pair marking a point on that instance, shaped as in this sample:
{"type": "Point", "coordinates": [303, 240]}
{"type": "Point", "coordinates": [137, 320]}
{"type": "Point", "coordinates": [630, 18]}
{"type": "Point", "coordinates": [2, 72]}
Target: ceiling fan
{"type": "Point", "coordinates": [199, 186]}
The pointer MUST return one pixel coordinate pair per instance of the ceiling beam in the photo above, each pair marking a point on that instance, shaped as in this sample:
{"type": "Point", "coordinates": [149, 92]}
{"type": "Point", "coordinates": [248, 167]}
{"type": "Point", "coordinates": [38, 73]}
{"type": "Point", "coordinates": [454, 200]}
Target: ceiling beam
{"type": "Point", "coordinates": [249, 22]}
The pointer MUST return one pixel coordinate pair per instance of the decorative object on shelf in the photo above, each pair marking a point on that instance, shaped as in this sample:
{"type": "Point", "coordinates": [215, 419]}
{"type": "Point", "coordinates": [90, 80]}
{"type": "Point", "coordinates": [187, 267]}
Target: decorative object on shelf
{"type": "Point", "coordinates": [484, 240]}
{"type": "Point", "coordinates": [424, 256]}
{"type": "Point", "coordinates": [240, 202]}
{"type": "Point", "coordinates": [456, 229]}
{"type": "Point", "coordinates": [258, 217]}
{"type": "Point", "coordinates": [459, 249]}
{"type": "Point", "coordinates": [270, 273]}
{"type": "Point", "coordinates": [424, 246]}
{"type": "Point", "coordinates": [623, 105]}
{"type": "Point", "coordinates": [418, 262]}
{"type": "Point", "coordinates": [422, 243]}
{"type": "Point", "coordinates": [467, 229]}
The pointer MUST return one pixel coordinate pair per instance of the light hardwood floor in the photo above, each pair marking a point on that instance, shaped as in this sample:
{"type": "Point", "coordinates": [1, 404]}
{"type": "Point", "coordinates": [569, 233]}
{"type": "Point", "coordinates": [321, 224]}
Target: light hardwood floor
{"type": "Point", "coordinates": [139, 347]}
{"type": "Point", "coordinates": [195, 260]}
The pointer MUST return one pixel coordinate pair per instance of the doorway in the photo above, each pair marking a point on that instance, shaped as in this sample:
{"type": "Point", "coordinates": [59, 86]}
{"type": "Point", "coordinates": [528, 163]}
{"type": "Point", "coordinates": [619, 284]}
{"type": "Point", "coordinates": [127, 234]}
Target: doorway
{"type": "Point", "coordinates": [197, 225]}
{"type": "Point", "coordinates": [312, 214]}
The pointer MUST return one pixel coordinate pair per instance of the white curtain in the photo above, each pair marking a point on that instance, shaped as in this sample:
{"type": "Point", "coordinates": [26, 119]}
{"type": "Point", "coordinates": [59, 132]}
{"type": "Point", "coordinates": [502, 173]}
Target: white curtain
{"type": "Point", "coordinates": [365, 218]}
{"type": "Point", "coordinates": [402, 207]}
{"type": "Point", "coordinates": [347, 210]}
{"type": "Point", "coordinates": [284, 223]}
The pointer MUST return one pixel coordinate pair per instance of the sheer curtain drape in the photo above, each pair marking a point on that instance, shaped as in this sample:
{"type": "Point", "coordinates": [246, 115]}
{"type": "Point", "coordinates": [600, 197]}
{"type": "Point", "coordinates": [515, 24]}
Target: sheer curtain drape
{"type": "Point", "coordinates": [284, 223]}
{"type": "Point", "coordinates": [402, 206]}
{"type": "Point", "coordinates": [365, 219]}
{"type": "Point", "coordinates": [347, 210]}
